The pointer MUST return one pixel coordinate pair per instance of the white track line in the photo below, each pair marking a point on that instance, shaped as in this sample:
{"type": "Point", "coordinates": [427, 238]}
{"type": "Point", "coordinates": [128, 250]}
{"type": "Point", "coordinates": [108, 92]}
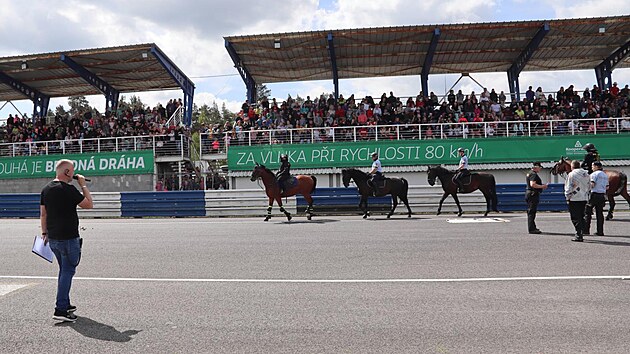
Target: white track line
{"type": "Point", "coordinates": [452, 280]}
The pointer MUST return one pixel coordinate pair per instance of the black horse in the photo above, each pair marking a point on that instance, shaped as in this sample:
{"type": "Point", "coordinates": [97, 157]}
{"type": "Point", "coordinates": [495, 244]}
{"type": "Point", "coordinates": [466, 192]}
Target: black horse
{"type": "Point", "coordinates": [397, 187]}
{"type": "Point", "coordinates": [484, 182]}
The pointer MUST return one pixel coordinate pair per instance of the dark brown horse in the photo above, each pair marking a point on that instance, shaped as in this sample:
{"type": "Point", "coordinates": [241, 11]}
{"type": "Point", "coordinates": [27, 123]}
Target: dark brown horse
{"type": "Point", "coordinates": [397, 187]}
{"type": "Point", "coordinates": [484, 182]}
{"type": "Point", "coordinates": [304, 185]}
{"type": "Point", "coordinates": [617, 183]}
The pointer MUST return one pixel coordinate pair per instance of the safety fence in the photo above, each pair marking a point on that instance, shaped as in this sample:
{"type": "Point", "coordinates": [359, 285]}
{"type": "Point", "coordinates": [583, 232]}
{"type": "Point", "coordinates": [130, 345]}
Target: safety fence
{"type": "Point", "coordinates": [253, 202]}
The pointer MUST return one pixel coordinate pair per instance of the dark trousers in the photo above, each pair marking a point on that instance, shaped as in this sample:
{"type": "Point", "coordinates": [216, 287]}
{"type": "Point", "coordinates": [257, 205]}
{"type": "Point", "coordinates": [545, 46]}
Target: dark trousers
{"type": "Point", "coordinates": [532, 198]}
{"type": "Point", "coordinates": [576, 209]}
{"type": "Point", "coordinates": [597, 202]}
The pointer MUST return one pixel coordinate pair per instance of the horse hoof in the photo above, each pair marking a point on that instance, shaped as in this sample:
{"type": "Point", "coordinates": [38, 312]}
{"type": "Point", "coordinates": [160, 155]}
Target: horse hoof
{"type": "Point", "coordinates": [609, 218]}
{"type": "Point", "coordinates": [459, 214]}
{"type": "Point", "coordinates": [409, 216]}
{"type": "Point", "coordinates": [439, 212]}
{"type": "Point", "coordinates": [365, 216]}
{"type": "Point", "coordinates": [388, 216]}
{"type": "Point", "coordinates": [308, 217]}
{"type": "Point", "coordinates": [267, 219]}
{"type": "Point", "coordinates": [289, 217]}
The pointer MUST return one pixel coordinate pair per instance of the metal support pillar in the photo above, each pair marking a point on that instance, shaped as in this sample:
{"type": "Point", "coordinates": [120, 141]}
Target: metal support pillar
{"type": "Point", "coordinates": [250, 84]}
{"type": "Point", "coordinates": [40, 100]}
{"type": "Point", "coordinates": [111, 94]}
{"type": "Point", "coordinates": [333, 63]}
{"type": "Point", "coordinates": [428, 61]}
{"type": "Point", "coordinates": [187, 86]}
{"type": "Point", "coordinates": [519, 64]}
{"type": "Point", "coordinates": [603, 71]}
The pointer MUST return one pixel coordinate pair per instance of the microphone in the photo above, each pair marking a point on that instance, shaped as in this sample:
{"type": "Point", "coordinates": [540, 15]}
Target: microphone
{"type": "Point", "coordinates": [87, 179]}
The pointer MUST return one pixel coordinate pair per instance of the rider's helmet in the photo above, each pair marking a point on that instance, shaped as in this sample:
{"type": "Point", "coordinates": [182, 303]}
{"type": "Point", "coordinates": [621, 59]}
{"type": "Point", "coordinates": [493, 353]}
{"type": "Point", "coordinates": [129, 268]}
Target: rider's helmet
{"type": "Point", "coordinates": [461, 150]}
{"type": "Point", "coordinates": [284, 157]}
{"type": "Point", "coordinates": [589, 147]}
{"type": "Point", "coordinates": [375, 155]}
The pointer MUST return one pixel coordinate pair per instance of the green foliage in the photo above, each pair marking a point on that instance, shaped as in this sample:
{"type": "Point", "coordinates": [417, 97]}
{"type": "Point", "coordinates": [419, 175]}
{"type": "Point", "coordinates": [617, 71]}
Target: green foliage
{"type": "Point", "coordinates": [78, 105]}
{"type": "Point", "coordinates": [262, 91]}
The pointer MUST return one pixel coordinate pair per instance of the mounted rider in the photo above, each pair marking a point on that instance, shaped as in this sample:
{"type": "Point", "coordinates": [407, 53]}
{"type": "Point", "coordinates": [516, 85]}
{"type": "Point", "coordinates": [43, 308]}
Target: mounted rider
{"type": "Point", "coordinates": [591, 156]}
{"type": "Point", "coordinates": [462, 170]}
{"type": "Point", "coordinates": [376, 173]}
{"type": "Point", "coordinates": [284, 173]}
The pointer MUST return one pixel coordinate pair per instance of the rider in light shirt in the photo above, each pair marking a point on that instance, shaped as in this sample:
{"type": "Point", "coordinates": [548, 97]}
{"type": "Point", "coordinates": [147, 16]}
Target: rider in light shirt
{"type": "Point", "coordinates": [376, 172]}
{"type": "Point", "coordinates": [462, 170]}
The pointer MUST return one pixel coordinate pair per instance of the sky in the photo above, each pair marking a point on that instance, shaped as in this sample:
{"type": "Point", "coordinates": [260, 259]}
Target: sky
{"type": "Point", "coordinates": [191, 34]}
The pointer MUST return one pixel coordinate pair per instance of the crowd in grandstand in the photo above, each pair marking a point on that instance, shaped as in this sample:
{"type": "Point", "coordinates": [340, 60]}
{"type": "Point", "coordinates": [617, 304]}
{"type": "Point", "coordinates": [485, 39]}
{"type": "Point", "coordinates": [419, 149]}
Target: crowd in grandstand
{"type": "Point", "coordinates": [488, 106]}
{"type": "Point", "coordinates": [85, 125]}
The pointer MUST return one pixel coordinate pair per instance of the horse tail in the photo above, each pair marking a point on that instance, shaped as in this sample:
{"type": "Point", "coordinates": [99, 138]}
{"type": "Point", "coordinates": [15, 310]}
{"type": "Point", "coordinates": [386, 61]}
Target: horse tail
{"type": "Point", "coordinates": [314, 183]}
{"type": "Point", "coordinates": [623, 180]}
{"type": "Point", "coordinates": [493, 191]}
{"type": "Point", "coordinates": [405, 187]}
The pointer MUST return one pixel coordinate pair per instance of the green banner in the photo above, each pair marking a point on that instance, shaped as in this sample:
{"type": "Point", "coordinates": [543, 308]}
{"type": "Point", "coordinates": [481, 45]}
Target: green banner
{"type": "Point", "coordinates": [428, 152]}
{"type": "Point", "coordinates": [89, 164]}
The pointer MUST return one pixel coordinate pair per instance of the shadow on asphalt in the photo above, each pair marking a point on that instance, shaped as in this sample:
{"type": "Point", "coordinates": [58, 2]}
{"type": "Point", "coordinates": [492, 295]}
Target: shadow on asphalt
{"type": "Point", "coordinates": [92, 329]}
{"type": "Point", "coordinates": [607, 243]}
{"type": "Point", "coordinates": [313, 221]}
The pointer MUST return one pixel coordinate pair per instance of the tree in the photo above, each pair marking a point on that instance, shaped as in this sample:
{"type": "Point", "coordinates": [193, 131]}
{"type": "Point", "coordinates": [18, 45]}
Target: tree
{"type": "Point", "coordinates": [227, 114]}
{"type": "Point", "coordinates": [60, 111]}
{"type": "Point", "coordinates": [262, 91]}
{"type": "Point", "coordinates": [78, 105]}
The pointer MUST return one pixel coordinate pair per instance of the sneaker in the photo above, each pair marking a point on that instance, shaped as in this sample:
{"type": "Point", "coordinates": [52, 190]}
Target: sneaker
{"type": "Point", "coordinates": [72, 308]}
{"type": "Point", "coordinates": [599, 234]}
{"type": "Point", "coordinates": [578, 239]}
{"type": "Point", "coordinates": [535, 232]}
{"type": "Point", "coordinates": [64, 316]}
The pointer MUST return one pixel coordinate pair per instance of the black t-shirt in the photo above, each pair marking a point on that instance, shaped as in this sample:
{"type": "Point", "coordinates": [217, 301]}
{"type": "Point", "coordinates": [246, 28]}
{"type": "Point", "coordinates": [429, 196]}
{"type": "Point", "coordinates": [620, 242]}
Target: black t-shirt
{"type": "Point", "coordinates": [533, 176]}
{"type": "Point", "coordinates": [61, 200]}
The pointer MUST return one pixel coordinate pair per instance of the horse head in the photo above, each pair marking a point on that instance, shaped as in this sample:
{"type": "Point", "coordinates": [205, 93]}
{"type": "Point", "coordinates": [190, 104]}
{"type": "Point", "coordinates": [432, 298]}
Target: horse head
{"type": "Point", "coordinates": [432, 173]}
{"type": "Point", "coordinates": [257, 172]}
{"type": "Point", "coordinates": [345, 177]}
{"type": "Point", "coordinates": [562, 166]}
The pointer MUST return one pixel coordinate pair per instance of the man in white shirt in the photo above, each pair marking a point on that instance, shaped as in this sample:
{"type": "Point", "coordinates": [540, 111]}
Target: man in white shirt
{"type": "Point", "coordinates": [577, 189]}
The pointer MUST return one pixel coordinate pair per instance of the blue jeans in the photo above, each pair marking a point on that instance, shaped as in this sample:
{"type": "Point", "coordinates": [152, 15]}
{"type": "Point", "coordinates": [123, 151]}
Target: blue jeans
{"type": "Point", "coordinates": [68, 254]}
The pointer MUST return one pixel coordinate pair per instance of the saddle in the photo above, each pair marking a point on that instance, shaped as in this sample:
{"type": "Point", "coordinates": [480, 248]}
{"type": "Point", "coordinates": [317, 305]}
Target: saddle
{"type": "Point", "coordinates": [380, 183]}
{"type": "Point", "coordinates": [466, 179]}
{"type": "Point", "coordinates": [290, 182]}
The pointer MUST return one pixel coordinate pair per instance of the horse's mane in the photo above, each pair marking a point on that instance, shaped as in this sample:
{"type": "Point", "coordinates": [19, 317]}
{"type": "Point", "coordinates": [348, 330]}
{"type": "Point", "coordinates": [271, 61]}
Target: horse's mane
{"type": "Point", "coordinates": [440, 169]}
{"type": "Point", "coordinates": [354, 171]}
{"type": "Point", "coordinates": [266, 169]}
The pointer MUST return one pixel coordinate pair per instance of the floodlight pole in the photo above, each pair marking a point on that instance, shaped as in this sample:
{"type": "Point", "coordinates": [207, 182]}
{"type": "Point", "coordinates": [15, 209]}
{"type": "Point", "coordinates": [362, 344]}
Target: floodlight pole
{"type": "Point", "coordinates": [40, 100]}
{"type": "Point", "coordinates": [603, 71]}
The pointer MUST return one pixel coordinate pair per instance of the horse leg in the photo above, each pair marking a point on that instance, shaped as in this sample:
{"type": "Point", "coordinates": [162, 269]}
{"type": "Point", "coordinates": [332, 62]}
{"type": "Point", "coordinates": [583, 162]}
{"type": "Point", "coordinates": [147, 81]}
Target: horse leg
{"type": "Point", "coordinates": [406, 201]}
{"type": "Point", "coordinates": [442, 201]}
{"type": "Point", "coordinates": [458, 206]}
{"type": "Point", "coordinates": [611, 207]}
{"type": "Point", "coordinates": [364, 207]}
{"type": "Point", "coordinates": [309, 209]}
{"type": "Point", "coordinates": [288, 215]}
{"type": "Point", "coordinates": [394, 205]}
{"type": "Point", "coordinates": [269, 209]}
{"type": "Point", "coordinates": [488, 196]}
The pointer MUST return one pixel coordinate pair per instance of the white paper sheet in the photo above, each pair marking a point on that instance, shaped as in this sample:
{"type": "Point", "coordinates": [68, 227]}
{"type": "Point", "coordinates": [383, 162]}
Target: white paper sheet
{"type": "Point", "coordinates": [43, 250]}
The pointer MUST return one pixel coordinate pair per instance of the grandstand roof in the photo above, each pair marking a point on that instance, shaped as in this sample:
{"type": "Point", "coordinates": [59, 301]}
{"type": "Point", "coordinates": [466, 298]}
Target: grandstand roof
{"type": "Point", "coordinates": [130, 68]}
{"type": "Point", "coordinates": [570, 44]}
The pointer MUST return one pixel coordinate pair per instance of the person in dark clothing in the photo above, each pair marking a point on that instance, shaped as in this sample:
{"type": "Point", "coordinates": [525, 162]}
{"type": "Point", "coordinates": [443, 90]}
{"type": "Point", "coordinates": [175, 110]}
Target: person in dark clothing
{"type": "Point", "coordinates": [591, 156]}
{"type": "Point", "coordinates": [284, 173]}
{"type": "Point", "coordinates": [60, 228]}
{"type": "Point", "coordinates": [532, 197]}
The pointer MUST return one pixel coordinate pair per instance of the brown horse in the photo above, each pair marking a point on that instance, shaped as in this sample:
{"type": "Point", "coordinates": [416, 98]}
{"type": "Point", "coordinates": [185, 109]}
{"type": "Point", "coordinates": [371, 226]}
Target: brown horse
{"type": "Point", "coordinates": [484, 182]}
{"type": "Point", "coordinates": [304, 185]}
{"type": "Point", "coordinates": [617, 183]}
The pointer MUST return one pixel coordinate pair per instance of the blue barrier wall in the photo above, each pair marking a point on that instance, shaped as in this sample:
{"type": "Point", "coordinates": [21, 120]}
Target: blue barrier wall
{"type": "Point", "coordinates": [511, 197]}
{"type": "Point", "coordinates": [341, 199]}
{"type": "Point", "coordinates": [19, 205]}
{"type": "Point", "coordinates": [184, 203]}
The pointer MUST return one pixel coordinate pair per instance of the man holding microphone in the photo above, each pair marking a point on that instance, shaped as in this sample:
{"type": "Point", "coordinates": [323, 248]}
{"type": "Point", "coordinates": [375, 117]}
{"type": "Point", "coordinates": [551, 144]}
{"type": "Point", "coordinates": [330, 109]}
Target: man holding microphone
{"type": "Point", "coordinates": [60, 227]}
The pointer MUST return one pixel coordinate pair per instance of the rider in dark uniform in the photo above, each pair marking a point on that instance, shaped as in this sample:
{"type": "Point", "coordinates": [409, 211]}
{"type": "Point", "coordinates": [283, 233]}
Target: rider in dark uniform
{"type": "Point", "coordinates": [532, 197]}
{"type": "Point", "coordinates": [284, 173]}
{"type": "Point", "coordinates": [591, 156]}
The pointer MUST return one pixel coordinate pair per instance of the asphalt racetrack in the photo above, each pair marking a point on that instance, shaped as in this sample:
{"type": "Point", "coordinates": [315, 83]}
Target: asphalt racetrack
{"type": "Point", "coordinates": [331, 285]}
